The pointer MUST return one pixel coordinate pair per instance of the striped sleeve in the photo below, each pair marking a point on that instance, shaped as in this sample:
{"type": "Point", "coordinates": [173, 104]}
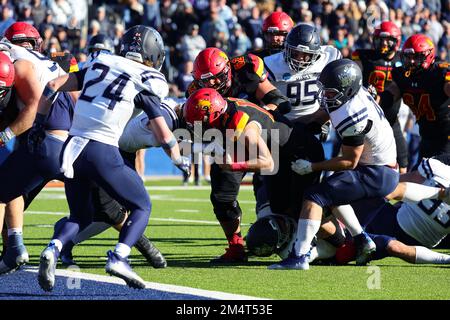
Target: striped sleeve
{"type": "Point", "coordinates": [425, 169]}
{"type": "Point", "coordinates": [353, 125]}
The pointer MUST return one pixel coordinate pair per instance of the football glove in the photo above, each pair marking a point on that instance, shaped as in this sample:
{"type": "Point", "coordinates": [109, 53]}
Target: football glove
{"type": "Point", "coordinates": [324, 131]}
{"type": "Point", "coordinates": [372, 91]}
{"type": "Point", "coordinates": [302, 167]}
{"type": "Point", "coordinates": [184, 164]}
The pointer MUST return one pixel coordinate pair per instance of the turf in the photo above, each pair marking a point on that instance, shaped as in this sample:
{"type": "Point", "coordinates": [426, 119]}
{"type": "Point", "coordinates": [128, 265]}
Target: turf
{"type": "Point", "coordinates": [189, 245]}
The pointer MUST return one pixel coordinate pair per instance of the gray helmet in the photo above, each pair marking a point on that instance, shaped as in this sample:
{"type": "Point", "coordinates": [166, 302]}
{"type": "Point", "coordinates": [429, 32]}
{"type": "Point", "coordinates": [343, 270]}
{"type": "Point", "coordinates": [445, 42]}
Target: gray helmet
{"type": "Point", "coordinates": [143, 44]}
{"type": "Point", "coordinates": [339, 81]}
{"type": "Point", "coordinates": [100, 42]}
{"type": "Point", "coordinates": [271, 234]}
{"type": "Point", "coordinates": [302, 47]}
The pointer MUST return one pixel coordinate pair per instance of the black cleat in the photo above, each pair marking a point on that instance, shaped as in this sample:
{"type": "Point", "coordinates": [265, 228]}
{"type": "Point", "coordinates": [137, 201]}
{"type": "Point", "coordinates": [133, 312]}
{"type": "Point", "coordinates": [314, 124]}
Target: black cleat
{"type": "Point", "coordinates": [151, 253]}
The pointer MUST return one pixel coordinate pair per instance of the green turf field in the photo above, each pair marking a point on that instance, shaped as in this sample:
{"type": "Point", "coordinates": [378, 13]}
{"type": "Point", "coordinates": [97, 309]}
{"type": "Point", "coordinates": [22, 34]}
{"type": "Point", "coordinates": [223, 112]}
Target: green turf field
{"type": "Point", "coordinates": [178, 226]}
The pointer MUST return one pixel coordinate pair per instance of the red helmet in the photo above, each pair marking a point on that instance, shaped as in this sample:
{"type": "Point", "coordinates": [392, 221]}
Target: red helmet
{"type": "Point", "coordinates": [205, 105]}
{"type": "Point", "coordinates": [389, 31]}
{"type": "Point", "coordinates": [277, 23]}
{"type": "Point", "coordinates": [418, 53]}
{"type": "Point", "coordinates": [20, 32]}
{"type": "Point", "coordinates": [212, 69]}
{"type": "Point", "coordinates": [7, 74]}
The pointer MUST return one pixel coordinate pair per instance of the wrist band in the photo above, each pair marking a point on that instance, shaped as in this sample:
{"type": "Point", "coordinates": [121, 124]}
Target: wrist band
{"type": "Point", "coordinates": [49, 93]}
{"type": "Point", "coordinates": [7, 135]}
{"type": "Point", "coordinates": [239, 166]}
{"type": "Point", "coordinates": [170, 144]}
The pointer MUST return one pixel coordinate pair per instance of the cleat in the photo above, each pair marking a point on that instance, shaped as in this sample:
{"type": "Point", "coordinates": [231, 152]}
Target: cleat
{"type": "Point", "coordinates": [292, 262]}
{"type": "Point", "coordinates": [66, 255]}
{"type": "Point", "coordinates": [47, 267]}
{"type": "Point", "coordinates": [119, 267]}
{"type": "Point", "coordinates": [151, 253]}
{"type": "Point", "coordinates": [13, 259]}
{"type": "Point", "coordinates": [235, 253]}
{"type": "Point", "coordinates": [365, 248]}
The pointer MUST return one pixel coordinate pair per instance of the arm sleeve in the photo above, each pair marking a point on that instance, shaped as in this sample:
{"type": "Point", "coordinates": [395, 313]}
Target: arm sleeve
{"type": "Point", "coordinates": [150, 103]}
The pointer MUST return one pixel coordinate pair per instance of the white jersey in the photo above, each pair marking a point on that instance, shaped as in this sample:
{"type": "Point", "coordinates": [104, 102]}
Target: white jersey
{"type": "Point", "coordinates": [106, 103]}
{"type": "Point", "coordinates": [45, 68]}
{"type": "Point", "coordinates": [300, 87]}
{"type": "Point", "coordinates": [138, 136]}
{"type": "Point", "coordinates": [429, 220]}
{"type": "Point", "coordinates": [362, 115]}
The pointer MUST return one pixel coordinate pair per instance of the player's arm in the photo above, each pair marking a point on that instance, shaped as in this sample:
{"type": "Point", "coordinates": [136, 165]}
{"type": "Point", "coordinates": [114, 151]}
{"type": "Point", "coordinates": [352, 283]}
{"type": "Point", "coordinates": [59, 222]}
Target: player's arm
{"type": "Point", "coordinates": [347, 161]}
{"type": "Point", "coordinates": [29, 91]}
{"type": "Point", "coordinates": [157, 124]}
{"type": "Point", "coordinates": [255, 146]}
{"type": "Point", "coordinates": [67, 82]}
{"type": "Point", "coordinates": [272, 97]}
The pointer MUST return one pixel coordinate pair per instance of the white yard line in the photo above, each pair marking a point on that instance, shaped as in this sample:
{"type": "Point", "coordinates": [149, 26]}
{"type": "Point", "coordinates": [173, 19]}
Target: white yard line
{"type": "Point", "coordinates": [149, 285]}
{"type": "Point", "coordinates": [151, 219]}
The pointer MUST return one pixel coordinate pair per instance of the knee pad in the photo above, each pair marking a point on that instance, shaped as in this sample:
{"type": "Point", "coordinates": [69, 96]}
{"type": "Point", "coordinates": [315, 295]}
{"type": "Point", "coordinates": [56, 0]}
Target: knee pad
{"type": "Point", "coordinates": [226, 210]}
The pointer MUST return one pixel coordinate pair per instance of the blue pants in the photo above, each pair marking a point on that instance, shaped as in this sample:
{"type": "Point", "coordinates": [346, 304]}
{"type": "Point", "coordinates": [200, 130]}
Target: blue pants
{"type": "Point", "coordinates": [348, 186]}
{"type": "Point", "coordinates": [22, 171]}
{"type": "Point", "coordinates": [104, 165]}
{"type": "Point", "coordinates": [380, 222]}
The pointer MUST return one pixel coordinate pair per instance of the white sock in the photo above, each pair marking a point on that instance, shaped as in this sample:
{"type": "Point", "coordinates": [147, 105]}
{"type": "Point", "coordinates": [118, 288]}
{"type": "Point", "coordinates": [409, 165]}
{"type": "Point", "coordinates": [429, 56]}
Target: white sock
{"type": "Point", "coordinates": [122, 250]}
{"type": "Point", "coordinates": [347, 216]}
{"type": "Point", "coordinates": [90, 231]}
{"type": "Point", "coordinates": [14, 231]}
{"type": "Point", "coordinates": [427, 256]}
{"type": "Point", "coordinates": [417, 192]}
{"type": "Point", "coordinates": [57, 243]}
{"type": "Point", "coordinates": [306, 231]}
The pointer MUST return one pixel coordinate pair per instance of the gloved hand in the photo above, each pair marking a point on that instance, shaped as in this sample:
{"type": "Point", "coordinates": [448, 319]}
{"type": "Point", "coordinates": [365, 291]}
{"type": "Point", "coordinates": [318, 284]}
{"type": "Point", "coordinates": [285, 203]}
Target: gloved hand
{"type": "Point", "coordinates": [325, 130]}
{"type": "Point", "coordinates": [37, 134]}
{"type": "Point", "coordinates": [184, 164]}
{"type": "Point", "coordinates": [373, 91]}
{"type": "Point", "coordinates": [302, 167]}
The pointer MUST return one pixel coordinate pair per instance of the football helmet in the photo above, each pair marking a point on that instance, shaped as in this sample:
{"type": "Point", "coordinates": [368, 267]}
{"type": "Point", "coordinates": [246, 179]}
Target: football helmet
{"type": "Point", "coordinates": [212, 70]}
{"type": "Point", "coordinates": [302, 47]}
{"type": "Point", "coordinates": [144, 45]}
{"type": "Point", "coordinates": [339, 81]}
{"type": "Point", "coordinates": [205, 105]}
{"type": "Point", "coordinates": [7, 74]}
{"type": "Point", "coordinates": [100, 42]}
{"type": "Point", "coordinates": [272, 234]}
{"type": "Point", "coordinates": [418, 53]}
{"type": "Point", "coordinates": [275, 29]}
{"type": "Point", "coordinates": [389, 32]}
{"type": "Point", "coordinates": [21, 33]}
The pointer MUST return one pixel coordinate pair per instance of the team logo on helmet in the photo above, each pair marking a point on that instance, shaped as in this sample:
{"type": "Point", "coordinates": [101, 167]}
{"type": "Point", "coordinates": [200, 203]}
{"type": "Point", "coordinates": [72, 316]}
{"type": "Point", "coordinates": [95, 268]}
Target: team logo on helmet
{"type": "Point", "coordinates": [348, 76]}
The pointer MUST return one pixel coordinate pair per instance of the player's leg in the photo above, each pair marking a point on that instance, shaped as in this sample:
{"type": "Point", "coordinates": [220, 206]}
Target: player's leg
{"type": "Point", "coordinates": [16, 254]}
{"type": "Point", "coordinates": [108, 170]}
{"type": "Point", "coordinates": [3, 228]}
{"type": "Point", "coordinates": [79, 199]}
{"type": "Point", "coordinates": [224, 191]}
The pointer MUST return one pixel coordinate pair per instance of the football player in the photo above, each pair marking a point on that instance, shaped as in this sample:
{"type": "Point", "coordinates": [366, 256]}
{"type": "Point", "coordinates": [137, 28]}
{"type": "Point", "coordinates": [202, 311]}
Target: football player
{"type": "Point", "coordinates": [366, 168]}
{"type": "Point", "coordinates": [241, 77]}
{"type": "Point", "coordinates": [274, 29]}
{"type": "Point", "coordinates": [424, 86]}
{"type": "Point", "coordinates": [376, 65]}
{"type": "Point", "coordinates": [112, 87]}
{"type": "Point", "coordinates": [248, 123]}
{"type": "Point", "coordinates": [137, 135]}
{"type": "Point", "coordinates": [295, 70]}
{"type": "Point", "coordinates": [32, 72]}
